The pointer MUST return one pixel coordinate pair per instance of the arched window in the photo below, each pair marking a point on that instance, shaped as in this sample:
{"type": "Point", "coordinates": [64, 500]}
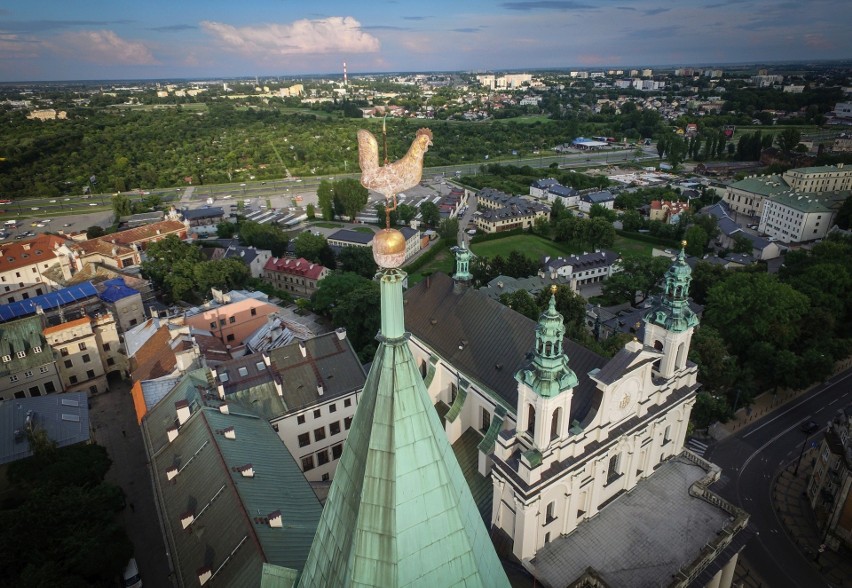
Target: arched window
{"type": "Point", "coordinates": [548, 349]}
{"type": "Point", "coordinates": [681, 360]}
{"type": "Point", "coordinates": [423, 369]}
{"type": "Point", "coordinates": [554, 423]}
{"type": "Point", "coordinates": [531, 419]}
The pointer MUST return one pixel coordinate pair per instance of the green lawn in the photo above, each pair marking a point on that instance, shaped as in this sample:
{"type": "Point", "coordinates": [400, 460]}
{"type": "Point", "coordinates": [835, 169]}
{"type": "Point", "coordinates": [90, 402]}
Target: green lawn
{"type": "Point", "coordinates": [531, 246]}
{"type": "Point", "coordinates": [325, 225]}
{"type": "Point", "coordinates": [632, 248]}
{"type": "Point", "coordinates": [443, 262]}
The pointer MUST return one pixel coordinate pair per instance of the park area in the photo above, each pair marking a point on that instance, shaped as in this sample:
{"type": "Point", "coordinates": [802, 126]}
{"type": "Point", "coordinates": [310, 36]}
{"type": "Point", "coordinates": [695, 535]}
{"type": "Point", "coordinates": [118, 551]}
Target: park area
{"type": "Point", "coordinates": [532, 246]}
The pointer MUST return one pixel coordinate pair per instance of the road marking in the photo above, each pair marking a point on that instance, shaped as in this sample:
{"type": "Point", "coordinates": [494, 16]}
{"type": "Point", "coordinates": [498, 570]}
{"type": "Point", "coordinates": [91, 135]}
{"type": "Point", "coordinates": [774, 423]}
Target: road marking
{"type": "Point", "coordinates": [833, 401]}
{"type": "Point", "coordinates": [795, 406]}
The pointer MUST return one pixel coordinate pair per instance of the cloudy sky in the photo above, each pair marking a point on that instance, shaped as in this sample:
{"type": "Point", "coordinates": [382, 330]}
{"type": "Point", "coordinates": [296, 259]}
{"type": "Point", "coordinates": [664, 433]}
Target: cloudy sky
{"type": "Point", "coordinates": [117, 39]}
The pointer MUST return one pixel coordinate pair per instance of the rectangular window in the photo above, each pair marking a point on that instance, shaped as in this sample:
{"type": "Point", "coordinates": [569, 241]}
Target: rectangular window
{"type": "Point", "coordinates": [90, 374]}
{"type": "Point", "coordinates": [347, 422]}
{"type": "Point", "coordinates": [43, 369]}
{"type": "Point", "coordinates": [613, 472]}
{"type": "Point", "coordinates": [232, 320]}
{"type": "Point", "coordinates": [37, 349]}
{"type": "Point", "coordinates": [332, 407]}
{"type": "Point", "coordinates": [86, 358]}
{"type": "Point", "coordinates": [93, 389]}
{"type": "Point", "coordinates": [221, 322]}
{"type": "Point", "coordinates": [106, 346]}
{"type": "Point", "coordinates": [319, 434]}
{"type": "Point", "coordinates": [21, 354]}
{"type": "Point", "coordinates": [34, 391]}
{"type": "Point", "coordinates": [13, 378]}
{"type": "Point", "coordinates": [322, 457]}
{"type": "Point", "coordinates": [230, 337]}
{"type": "Point", "coordinates": [307, 463]}
{"type": "Point", "coordinates": [304, 439]}
{"type": "Point", "coordinates": [213, 325]}
{"type": "Point", "coordinates": [49, 387]}
{"type": "Point", "coordinates": [334, 428]}
{"type": "Point", "coordinates": [28, 374]}
{"type": "Point", "coordinates": [317, 413]}
{"type": "Point", "coordinates": [110, 361]}
{"type": "Point", "coordinates": [300, 419]}
{"type": "Point", "coordinates": [347, 402]}
{"type": "Point", "coordinates": [253, 311]}
{"type": "Point", "coordinates": [68, 363]}
{"type": "Point", "coordinates": [7, 358]}
{"type": "Point", "coordinates": [82, 346]}
{"type": "Point", "coordinates": [73, 379]}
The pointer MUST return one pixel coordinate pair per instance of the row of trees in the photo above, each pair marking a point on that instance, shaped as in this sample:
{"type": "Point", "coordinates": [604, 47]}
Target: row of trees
{"type": "Point", "coordinates": [339, 198]}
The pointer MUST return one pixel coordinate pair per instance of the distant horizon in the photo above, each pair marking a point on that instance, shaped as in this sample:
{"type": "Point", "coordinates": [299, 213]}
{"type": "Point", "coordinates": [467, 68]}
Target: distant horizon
{"type": "Point", "coordinates": [196, 39]}
{"type": "Point", "coordinates": [564, 69]}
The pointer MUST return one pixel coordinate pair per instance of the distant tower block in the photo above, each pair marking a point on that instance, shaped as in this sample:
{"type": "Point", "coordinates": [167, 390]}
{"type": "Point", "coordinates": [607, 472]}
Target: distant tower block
{"type": "Point", "coordinates": [345, 79]}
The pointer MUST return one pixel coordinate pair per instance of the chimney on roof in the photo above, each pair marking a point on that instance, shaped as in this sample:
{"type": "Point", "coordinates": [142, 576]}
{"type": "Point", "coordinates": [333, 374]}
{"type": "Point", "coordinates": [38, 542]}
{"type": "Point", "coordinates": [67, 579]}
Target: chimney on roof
{"type": "Point", "coordinates": [319, 389]}
{"type": "Point", "coordinates": [183, 412]}
{"type": "Point", "coordinates": [247, 471]}
{"type": "Point", "coordinates": [275, 519]}
{"type": "Point", "coordinates": [267, 360]}
{"type": "Point", "coordinates": [204, 575]}
{"type": "Point", "coordinates": [230, 433]}
{"type": "Point", "coordinates": [303, 349]}
{"type": "Point", "coordinates": [187, 518]}
{"type": "Point", "coordinates": [172, 433]}
{"type": "Point", "coordinates": [223, 408]}
{"type": "Point", "coordinates": [158, 232]}
{"type": "Point", "coordinates": [171, 472]}
{"type": "Point", "coordinates": [341, 333]}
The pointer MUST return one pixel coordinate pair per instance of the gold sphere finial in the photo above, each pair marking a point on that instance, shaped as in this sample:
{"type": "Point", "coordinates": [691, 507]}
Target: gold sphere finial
{"type": "Point", "coordinates": [683, 243]}
{"type": "Point", "coordinates": [553, 289]}
{"type": "Point", "coordinates": [389, 248]}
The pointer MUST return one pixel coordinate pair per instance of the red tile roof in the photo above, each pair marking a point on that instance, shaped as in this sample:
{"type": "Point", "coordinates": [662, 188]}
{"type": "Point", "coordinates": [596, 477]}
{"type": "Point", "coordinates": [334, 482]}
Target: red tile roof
{"type": "Point", "coordinates": [69, 325]}
{"type": "Point", "coordinates": [26, 253]}
{"type": "Point", "coordinates": [155, 358]}
{"type": "Point", "coordinates": [144, 233]}
{"type": "Point", "coordinates": [295, 267]}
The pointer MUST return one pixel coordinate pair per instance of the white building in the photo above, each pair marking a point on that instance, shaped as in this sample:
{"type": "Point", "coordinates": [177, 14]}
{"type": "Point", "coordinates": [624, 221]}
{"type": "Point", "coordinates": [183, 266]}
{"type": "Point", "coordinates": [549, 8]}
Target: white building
{"type": "Point", "coordinates": [792, 218]}
{"type": "Point", "coordinates": [825, 178]}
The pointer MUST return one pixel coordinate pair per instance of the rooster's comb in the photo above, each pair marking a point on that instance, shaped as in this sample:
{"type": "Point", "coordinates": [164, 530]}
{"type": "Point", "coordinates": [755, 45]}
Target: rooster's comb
{"type": "Point", "coordinates": [426, 132]}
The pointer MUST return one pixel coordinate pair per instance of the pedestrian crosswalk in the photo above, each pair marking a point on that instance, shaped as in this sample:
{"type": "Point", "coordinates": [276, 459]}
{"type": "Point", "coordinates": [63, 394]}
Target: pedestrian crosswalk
{"type": "Point", "coordinates": [696, 447]}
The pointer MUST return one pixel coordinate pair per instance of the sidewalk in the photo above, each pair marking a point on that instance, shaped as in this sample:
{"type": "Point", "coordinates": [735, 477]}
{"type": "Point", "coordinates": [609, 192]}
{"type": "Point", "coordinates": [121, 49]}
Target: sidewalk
{"type": "Point", "coordinates": [794, 511]}
{"type": "Point", "coordinates": [762, 405]}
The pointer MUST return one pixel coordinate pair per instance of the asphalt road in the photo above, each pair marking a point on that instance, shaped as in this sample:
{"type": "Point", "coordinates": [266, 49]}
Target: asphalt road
{"type": "Point", "coordinates": [751, 460]}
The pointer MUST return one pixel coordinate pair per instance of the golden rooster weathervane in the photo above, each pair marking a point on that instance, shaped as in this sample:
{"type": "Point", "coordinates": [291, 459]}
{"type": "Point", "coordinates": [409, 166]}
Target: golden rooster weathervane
{"type": "Point", "coordinates": [391, 178]}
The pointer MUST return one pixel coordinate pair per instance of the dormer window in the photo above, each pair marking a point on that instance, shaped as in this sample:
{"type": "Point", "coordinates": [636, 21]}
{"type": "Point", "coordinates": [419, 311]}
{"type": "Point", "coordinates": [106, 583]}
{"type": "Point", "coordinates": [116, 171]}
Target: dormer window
{"type": "Point", "coordinates": [7, 358]}
{"type": "Point", "coordinates": [21, 354]}
{"type": "Point", "coordinates": [37, 349]}
{"type": "Point", "coordinates": [223, 377]}
{"type": "Point", "coordinates": [243, 371]}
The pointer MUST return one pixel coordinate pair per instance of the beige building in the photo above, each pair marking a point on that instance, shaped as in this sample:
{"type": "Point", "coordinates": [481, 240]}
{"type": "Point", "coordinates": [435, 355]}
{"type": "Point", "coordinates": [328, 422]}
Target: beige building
{"type": "Point", "coordinates": [27, 365]}
{"type": "Point", "coordinates": [826, 178]}
{"type": "Point", "coordinates": [87, 349]}
{"type": "Point", "coordinates": [830, 486]}
{"type": "Point", "coordinates": [33, 267]}
{"type": "Point", "coordinates": [792, 218]}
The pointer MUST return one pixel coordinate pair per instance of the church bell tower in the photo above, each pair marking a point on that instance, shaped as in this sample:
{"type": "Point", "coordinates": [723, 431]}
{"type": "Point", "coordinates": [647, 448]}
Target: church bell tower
{"type": "Point", "coordinates": [545, 384]}
{"type": "Point", "coordinates": [670, 323]}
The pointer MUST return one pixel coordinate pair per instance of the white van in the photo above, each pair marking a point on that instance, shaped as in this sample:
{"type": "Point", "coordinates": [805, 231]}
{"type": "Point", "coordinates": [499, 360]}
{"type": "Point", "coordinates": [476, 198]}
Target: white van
{"type": "Point", "coordinates": [131, 578]}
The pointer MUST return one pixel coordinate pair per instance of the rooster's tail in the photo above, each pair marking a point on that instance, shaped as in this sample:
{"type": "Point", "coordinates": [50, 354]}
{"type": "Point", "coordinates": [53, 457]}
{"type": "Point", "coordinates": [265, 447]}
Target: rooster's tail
{"type": "Point", "coordinates": [368, 151]}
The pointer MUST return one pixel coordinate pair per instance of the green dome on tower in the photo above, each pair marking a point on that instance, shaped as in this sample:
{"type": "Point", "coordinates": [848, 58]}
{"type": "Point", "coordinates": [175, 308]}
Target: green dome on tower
{"type": "Point", "coordinates": [672, 312]}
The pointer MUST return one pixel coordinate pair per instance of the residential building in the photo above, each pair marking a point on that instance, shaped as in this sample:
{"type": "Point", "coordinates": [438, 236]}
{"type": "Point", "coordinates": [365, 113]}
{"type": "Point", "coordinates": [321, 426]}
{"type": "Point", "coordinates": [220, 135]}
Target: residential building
{"type": "Point", "coordinates": [505, 212]}
{"type": "Point", "coordinates": [27, 364]}
{"type": "Point", "coordinates": [830, 487]}
{"type": "Point", "coordinates": [231, 317]}
{"type": "Point", "coordinates": [539, 188]}
{"type": "Point", "coordinates": [299, 277]}
{"type": "Point", "coordinates": [168, 352]}
{"type": "Point", "coordinates": [203, 220]}
{"type": "Point", "coordinates": [63, 417]}
{"type": "Point", "coordinates": [843, 110]}
{"type": "Point", "coordinates": [81, 367]}
{"type": "Point", "coordinates": [748, 195]}
{"type": "Point", "coordinates": [101, 251]}
{"type": "Point", "coordinates": [792, 218]}
{"type": "Point", "coordinates": [253, 257]}
{"type": "Point", "coordinates": [586, 268]}
{"type": "Point", "coordinates": [124, 302]}
{"type": "Point", "coordinates": [604, 198]}
{"type": "Point", "coordinates": [234, 506]}
{"type": "Point", "coordinates": [762, 248]}
{"type": "Point", "coordinates": [413, 241]}
{"type": "Point", "coordinates": [33, 267]}
{"type": "Point", "coordinates": [140, 237]}
{"type": "Point", "coordinates": [667, 211]}
{"type": "Point", "coordinates": [825, 178]}
{"type": "Point", "coordinates": [322, 381]}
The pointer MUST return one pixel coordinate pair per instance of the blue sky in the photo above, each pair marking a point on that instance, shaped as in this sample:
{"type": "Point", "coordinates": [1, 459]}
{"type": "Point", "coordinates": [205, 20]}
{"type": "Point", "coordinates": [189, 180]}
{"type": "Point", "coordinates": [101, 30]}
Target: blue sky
{"type": "Point", "coordinates": [116, 39]}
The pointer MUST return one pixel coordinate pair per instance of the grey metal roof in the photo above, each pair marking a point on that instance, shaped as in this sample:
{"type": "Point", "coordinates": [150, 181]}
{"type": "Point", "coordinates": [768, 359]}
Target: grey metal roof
{"type": "Point", "coordinates": [328, 361]}
{"type": "Point", "coordinates": [231, 534]}
{"type": "Point", "coordinates": [352, 236]}
{"type": "Point", "coordinates": [597, 197]}
{"type": "Point", "coordinates": [495, 339]}
{"type": "Point", "coordinates": [199, 213]}
{"type": "Point", "coordinates": [634, 541]}
{"type": "Point", "coordinates": [64, 417]}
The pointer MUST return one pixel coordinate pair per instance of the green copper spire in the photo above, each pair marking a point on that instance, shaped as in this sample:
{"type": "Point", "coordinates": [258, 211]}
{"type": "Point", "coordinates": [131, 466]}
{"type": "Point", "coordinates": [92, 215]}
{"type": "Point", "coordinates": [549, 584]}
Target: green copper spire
{"type": "Point", "coordinates": [673, 312]}
{"type": "Point", "coordinates": [399, 512]}
{"type": "Point", "coordinates": [548, 373]}
{"type": "Point", "coordinates": [463, 256]}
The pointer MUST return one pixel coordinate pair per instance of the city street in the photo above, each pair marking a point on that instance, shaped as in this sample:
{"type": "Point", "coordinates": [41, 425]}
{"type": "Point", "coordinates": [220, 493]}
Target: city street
{"type": "Point", "coordinates": [750, 461]}
{"type": "Point", "coordinates": [114, 424]}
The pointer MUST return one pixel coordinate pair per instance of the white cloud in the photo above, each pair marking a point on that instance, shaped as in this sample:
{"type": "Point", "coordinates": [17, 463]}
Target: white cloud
{"type": "Point", "coordinates": [335, 34]}
{"type": "Point", "coordinates": [105, 47]}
